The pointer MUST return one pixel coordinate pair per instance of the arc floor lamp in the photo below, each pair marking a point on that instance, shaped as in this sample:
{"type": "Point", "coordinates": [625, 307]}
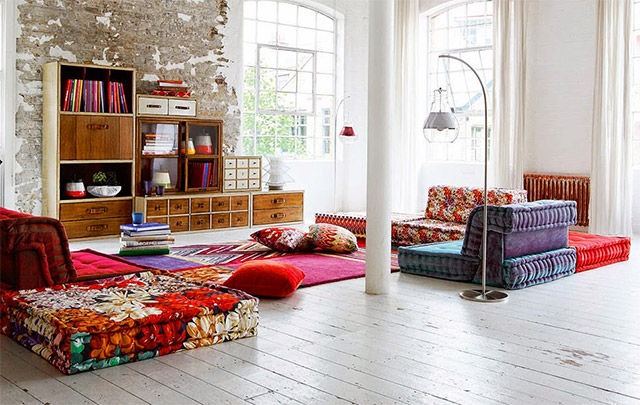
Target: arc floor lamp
{"type": "Point", "coordinates": [442, 125]}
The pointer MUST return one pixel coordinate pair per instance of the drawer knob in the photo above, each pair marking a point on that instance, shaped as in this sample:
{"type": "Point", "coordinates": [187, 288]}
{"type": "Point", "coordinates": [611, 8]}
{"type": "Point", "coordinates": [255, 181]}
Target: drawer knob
{"type": "Point", "coordinates": [220, 204]}
{"type": "Point", "coordinates": [278, 215]}
{"type": "Point", "coordinates": [199, 222]}
{"type": "Point", "coordinates": [200, 205]}
{"type": "Point", "coordinates": [278, 201]}
{"type": "Point", "coordinates": [157, 207]}
{"type": "Point", "coordinates": [178, 206]}
{"type": "Point", "coordinates": [154, 106]}
{"type": "Point", "coordinates": [97, 210]}
{"type": "Point", "coordinates": [97, 228]}
{"type": "Point", "coordinates": [220, 220]}
{"type": "Point", "coordinates": [178, 223]}
{"type": "Point", "coordinates": [98, 127]}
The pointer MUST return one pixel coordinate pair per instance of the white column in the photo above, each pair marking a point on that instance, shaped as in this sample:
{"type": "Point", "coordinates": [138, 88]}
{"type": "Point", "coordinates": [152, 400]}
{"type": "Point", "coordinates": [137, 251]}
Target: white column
{"type": "Point", "coordinates": [378, 147]}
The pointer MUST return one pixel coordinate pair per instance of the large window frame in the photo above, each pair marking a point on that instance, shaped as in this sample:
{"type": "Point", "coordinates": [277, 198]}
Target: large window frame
{"type": "Point", "coordinates": [465, 20]}
{"type": "Point", "coordinates": [635, 104]}
{"type": "Point", "coordinates": [302, 126]}
{"type": "Point", "coordinates": [7, 95]}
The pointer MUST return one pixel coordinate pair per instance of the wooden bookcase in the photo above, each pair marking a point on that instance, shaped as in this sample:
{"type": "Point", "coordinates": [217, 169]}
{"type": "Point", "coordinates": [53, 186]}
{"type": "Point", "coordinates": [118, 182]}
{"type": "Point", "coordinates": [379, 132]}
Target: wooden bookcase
{"type": "Point", "coordinates": [79, 143]}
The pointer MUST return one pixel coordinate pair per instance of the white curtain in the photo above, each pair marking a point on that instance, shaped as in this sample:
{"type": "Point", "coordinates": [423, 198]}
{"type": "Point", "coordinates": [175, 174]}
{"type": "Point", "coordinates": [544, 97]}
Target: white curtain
{"type": "Point", "coordinates": [508, 134]}
{"type": "Point", "coordinates": [408, 151]}
{"type": "Point", "coordinates": [611, 193]}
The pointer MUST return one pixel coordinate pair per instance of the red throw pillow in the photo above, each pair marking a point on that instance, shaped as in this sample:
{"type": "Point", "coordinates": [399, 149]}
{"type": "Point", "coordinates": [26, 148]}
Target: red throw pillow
{"type": "Point", "coordinates": [266, 278]}
{"type": "Point", "coordinates": [283, 239]}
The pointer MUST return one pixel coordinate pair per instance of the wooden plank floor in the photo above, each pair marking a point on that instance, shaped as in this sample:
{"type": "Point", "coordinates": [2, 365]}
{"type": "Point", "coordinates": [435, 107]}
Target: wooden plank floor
{"type": "Point", "coordinates": [573, 341]}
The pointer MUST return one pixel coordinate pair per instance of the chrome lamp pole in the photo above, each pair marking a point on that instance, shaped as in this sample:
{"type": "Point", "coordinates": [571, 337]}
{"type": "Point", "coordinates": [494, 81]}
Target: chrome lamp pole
{"type": "Point", "coordinates": [445, 121]}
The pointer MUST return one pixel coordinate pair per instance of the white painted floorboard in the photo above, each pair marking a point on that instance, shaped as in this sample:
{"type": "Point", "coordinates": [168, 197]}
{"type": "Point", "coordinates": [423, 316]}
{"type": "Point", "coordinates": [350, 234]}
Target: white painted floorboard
{"type": "Point", "coordinates": [572, 341]}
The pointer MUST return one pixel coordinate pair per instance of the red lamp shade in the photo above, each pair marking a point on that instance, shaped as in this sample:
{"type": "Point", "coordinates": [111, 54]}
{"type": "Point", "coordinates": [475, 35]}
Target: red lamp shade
{"type": "Point", "coordinates": [348, 135]}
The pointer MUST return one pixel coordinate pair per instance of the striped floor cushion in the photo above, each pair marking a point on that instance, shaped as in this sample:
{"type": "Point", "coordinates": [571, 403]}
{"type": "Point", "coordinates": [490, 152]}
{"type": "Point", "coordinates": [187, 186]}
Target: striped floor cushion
{"type": "Point", "coordinates": [356, 222]}
{"type": "Point", "coordinates": [97, 324]}
{"type": "Point", "coordinates": [525, 271]}
{"type": "Point", "coordinates": [440, 260]}
{"type": "Point", "coordinates": [595, 251]}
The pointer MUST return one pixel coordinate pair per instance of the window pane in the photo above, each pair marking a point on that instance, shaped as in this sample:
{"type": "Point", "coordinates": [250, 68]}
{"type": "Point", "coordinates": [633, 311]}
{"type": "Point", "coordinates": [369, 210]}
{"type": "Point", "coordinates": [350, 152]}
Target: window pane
{"type": "Point", "coordinates": [267, 33]}
{"type": "Point", "coordinates": [324, 105]}
{"type": "Point", "coordinates": [287, 80]}
{"type": "Point", "coordinates": [265, 125]}
{"type": "Point", "coordinates": [287, 36]}
{"type": "Point", "coordinates": [268, 79]}
{"type": "Point", "coordinates": [268, 57]}
{"type": "Point", "coordinates": [305, 82]}
{"type": "Point", "coordinates": [286, 146]}
{"type": "Point", "coordinates": [249, 55]}
{"type": "Point", "coordinates": [249, 9]}
{"type": "Point", "coordinates": [305, 103]}
{"type": "Point", "coordinates": [324, 22]}
{"type": "Point", "coordinates": [267, 10]}
{"type": "Point", "coordinates": [248, 99]}
{"type": "Point", "coordinates": [265, 146]}
{"type": "Point", "coordinates": [306, 38]}
{"type": "Point", "coordinates": [438, 40]}
{"type": "Point", "coordinates": [286, 125]}
{"type": "Point", "coordinates": [287, 13]}
{"type": "Point", "coordinates": [248, 124]}
{"type": "Point", "coordinates": [249, 31]}
{"type": "Point", "coordinates": [248, 145]}
{"type": "Point", "coordinates": [325, 41]}
{"type": "Point", "coordinates": [305, 61]}
{"type": "Point", "coordinates": [306, 17]}
{"type": "Point", "coordinates": [286, 101]}
{"type": "Point", "coordinates": [267, 100]}
{"type": "Point", "coordinates": [287, 59]}
{"type": "Point", "coordinates": [325, 62]}
{"type": "Point", "coordinates": [324, 84]}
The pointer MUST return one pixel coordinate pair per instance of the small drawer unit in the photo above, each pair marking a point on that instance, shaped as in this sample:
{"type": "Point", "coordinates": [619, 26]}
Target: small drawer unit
{"type": "Point", "coordinates": [277, 207]}
{"type": "Point", "coordinates": [95, 218]}
{"type": "Point", "coordinates": [242, 173]}
{"type": "Point", "coordinates": [167, 106]}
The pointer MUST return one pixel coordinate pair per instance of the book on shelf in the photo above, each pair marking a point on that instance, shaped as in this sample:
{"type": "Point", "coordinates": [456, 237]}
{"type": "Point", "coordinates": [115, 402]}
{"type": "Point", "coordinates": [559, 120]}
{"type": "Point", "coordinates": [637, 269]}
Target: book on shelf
{"type": "Point", "coordinates": [144, 227]}
{"type": "Point", "coordinates": [139, 243]}
{"type": "Point", "coordinates": [146, 251]}
{"type": "Point", "coordinates": [94, 96]}
{"type": "Point", "coordinates": [203, 174]}
{"type": "Point", "coordinates": [166, 236]}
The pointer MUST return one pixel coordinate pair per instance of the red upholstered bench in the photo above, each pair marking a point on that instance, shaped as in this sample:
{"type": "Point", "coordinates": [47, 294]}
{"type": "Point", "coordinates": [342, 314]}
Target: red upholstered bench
{"type": "Point", "coordinates": [596, 251]}
{"type": "Point", "coordinates": [92, 265]}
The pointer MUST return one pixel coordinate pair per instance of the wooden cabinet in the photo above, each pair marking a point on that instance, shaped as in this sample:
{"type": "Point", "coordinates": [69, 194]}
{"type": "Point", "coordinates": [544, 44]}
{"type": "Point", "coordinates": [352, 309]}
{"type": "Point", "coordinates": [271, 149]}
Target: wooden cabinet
{"type": "Point", "coordinates": [196, 212]}
{"type": "Point", "coordinates": [277, 207]}
{"type": "Point", "coordinates": [83, 135]}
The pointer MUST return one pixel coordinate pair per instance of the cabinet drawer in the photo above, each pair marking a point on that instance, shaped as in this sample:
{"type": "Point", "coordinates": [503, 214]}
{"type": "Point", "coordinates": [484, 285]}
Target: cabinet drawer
{"type": "Point", "coordinates": [278, 215]}
{"type": "Point", "coordinates": [199, 222]}
{"type": "Point", "coordinates": [219, 221]}
{"type": "Point", "coordinates": [185, 108]}
{"type": "Point", "coordinates": [95, 210]}
{"type": "Point", "coordinates": [277, 200]}
{"type": "Point", "coordinates": [240, 203]}
{"type": "Point", "coordinates": [254, 162]}
{"type": "Point", "coordinates": [92, 137]}
{"type": "Point", "coordinates": [254, 173]}
{"type": "Point", "coordinates": [179, 224]}
{"type": "Point", "coordinates": [179, 206]}
{"type": "Point", "coordinates": [153, 106]}
{"type": "Point", "coordinates": [219, 204]}
{"type": "Point", "coordinates": [156, 207]}
{"type": "Point", "coordinates": [239, 219]}
{"type": "Point", "coordinates": [95, 227]}
{"type": "Point", "coordinates": [200, 205]}
{"type": "Point", "coordinates": [160, 220]}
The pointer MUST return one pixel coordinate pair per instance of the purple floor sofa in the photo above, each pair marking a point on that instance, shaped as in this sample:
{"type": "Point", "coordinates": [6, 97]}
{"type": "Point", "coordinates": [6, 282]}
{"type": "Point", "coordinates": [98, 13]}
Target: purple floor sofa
{"type": "Point", "coordinates": [527, 244]}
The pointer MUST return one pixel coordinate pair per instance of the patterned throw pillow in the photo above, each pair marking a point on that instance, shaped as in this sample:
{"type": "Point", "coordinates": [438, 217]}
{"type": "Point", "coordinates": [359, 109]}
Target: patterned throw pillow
{"type": "Point", "coordinates": [332, 238]}
{"type": "Point", "coordinates": [283, 239]}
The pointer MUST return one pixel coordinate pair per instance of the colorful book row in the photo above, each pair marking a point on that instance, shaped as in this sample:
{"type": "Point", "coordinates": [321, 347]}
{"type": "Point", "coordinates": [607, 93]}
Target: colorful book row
{"type": "Point", "coordinates": [202, 175]}
{"type": "Point", "coordinates": [94, 96]}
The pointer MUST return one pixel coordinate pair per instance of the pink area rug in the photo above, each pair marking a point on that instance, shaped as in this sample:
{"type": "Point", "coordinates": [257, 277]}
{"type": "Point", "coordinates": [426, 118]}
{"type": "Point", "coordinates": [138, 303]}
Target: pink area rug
{"type": "Point", "coordinates": [319, 267]}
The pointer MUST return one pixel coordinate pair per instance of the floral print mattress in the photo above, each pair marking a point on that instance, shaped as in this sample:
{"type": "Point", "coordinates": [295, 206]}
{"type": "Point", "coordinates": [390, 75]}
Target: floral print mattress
{"type": "Point", "coordinates": [92, 325]}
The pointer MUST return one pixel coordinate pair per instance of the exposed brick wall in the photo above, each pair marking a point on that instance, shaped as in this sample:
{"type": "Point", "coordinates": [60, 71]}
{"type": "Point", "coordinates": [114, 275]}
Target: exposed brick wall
{"type": "Point", "coordinates": [168, 39]}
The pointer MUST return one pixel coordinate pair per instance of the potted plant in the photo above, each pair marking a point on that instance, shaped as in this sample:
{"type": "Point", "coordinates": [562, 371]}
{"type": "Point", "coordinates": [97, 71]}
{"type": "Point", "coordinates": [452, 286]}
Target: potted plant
{"type": "Point", "coordinates": [105, 184]}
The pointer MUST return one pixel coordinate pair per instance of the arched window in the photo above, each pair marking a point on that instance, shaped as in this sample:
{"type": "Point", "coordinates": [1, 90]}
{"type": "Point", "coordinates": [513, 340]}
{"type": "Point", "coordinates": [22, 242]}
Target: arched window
{"type": "Point", "coordinates": [464, 30]}
{"type": "Point", "coordinates": [289, 80]}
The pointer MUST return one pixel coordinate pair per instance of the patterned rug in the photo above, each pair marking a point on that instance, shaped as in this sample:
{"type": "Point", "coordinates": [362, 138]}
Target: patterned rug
{"type": "Point", "coordinates": [319, 267]}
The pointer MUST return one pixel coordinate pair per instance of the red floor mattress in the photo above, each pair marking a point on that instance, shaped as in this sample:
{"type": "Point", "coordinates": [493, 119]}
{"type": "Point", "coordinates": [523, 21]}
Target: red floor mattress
{"type": "Point", "coordinates": [596, 251]}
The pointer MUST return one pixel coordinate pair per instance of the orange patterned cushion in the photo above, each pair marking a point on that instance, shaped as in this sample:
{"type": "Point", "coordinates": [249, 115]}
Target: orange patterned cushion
{"type": "Point", "coordinates": [333, 238]}
{"type": "Point", "coordinates": [454, 204]}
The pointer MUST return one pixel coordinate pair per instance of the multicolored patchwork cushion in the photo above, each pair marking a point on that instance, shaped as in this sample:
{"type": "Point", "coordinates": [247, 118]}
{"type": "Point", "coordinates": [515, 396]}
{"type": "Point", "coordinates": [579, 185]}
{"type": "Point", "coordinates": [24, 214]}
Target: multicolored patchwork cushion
{"type": "Point", "coordinates": [92, 325]}
{"type": "Point", "coordinates": [333, 238]}
{"type": "Point", "coordinates": [596, 251]}
{"type": "Point", "coordinates": [454, 204]}
{"type": "Point", "coordinates": [425, 231]}
{"type": "Point", "coordinates": [283, 239]}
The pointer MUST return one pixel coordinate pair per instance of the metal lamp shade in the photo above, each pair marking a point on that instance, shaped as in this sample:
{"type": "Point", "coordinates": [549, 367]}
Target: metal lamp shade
{"type": "Point", "coordinates": [440, 127]}
{"type": "Point", "coordinates": [348, 135]}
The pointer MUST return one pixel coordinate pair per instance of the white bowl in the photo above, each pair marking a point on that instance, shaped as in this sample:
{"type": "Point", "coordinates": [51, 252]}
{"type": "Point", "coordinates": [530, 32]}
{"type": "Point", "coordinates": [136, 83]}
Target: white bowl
{"type": "Point", "coordinates": [104, 191]}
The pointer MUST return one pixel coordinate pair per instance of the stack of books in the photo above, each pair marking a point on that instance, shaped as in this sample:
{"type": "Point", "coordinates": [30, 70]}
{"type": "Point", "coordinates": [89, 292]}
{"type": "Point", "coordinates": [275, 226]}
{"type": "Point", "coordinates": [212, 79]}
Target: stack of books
{"type": "Point", "coordinates": [159, 144]}
{"type": "Point", "coordinates": [150, 238]}
{"type": "Point", "coordinates": [172, 88]}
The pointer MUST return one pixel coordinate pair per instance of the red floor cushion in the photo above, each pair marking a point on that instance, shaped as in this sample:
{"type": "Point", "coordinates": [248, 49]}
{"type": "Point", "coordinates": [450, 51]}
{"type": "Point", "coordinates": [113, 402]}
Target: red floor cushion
{"type": "Point", "coordinates": [596, 251]}
{"type": "Point", "coordinates": [266, 278]}
{"type": "Point", "coordinates": [92, 265]}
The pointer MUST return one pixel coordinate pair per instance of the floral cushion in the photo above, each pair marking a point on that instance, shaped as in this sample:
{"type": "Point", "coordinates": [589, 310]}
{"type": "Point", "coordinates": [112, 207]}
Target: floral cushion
{"type": "Point", "coordinates": [98, 324]}
{"type": "Point", "coordinates": [454, 204]}
{"type": "Point", "coordinates": [283, 239]}
{"type": "Point", "coordinates": [333, 238]}
{"type": "Point", "coordinates": [406, 233]}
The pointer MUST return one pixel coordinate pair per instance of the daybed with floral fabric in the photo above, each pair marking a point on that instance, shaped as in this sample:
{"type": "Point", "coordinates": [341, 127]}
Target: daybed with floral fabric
{"type": "Point", "coordinates": [444, 219]}
{"type": "Point", "coordinates": [97, 324]}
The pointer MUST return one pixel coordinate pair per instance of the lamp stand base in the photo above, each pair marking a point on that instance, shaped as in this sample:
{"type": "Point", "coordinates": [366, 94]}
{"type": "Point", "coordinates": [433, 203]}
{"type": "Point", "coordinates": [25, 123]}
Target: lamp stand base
{"type": "Point", "coordinates": [489, 296]}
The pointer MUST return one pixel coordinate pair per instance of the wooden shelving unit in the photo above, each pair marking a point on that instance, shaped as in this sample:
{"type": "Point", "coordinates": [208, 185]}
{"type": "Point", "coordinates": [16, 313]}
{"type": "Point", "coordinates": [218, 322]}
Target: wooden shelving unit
{"type": "Point", "coordinates": [79, 143]}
